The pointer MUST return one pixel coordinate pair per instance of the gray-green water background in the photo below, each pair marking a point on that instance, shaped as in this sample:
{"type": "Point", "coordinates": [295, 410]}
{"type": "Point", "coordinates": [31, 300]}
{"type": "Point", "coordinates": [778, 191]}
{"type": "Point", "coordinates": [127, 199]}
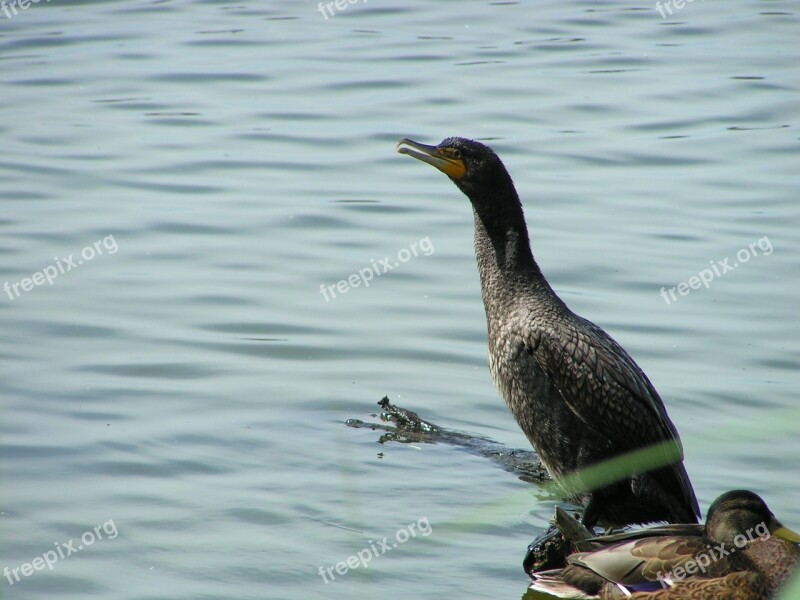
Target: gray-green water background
{"type": "Point", "coordinates": [191, 386]}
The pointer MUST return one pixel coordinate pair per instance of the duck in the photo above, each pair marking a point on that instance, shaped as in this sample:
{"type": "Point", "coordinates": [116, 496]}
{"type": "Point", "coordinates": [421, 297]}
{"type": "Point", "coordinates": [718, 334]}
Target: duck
{"type": "Point", "coordinates": [742, 551]}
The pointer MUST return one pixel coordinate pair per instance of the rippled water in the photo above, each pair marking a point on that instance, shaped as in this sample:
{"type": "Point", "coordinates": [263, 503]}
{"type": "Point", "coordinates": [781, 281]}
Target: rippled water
{"type": "Point", "coordinates": [186, 385]}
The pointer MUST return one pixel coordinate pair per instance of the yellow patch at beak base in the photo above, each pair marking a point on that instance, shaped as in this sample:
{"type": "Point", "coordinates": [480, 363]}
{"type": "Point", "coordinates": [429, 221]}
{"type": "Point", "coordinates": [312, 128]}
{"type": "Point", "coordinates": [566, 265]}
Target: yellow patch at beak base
{"type": "Point", "coordinates": [438, 157]}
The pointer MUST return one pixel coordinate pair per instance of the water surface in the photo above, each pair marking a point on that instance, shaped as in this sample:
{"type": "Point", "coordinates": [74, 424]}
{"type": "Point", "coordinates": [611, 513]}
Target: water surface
{"type": "Point", "coordinates": [191, 387]}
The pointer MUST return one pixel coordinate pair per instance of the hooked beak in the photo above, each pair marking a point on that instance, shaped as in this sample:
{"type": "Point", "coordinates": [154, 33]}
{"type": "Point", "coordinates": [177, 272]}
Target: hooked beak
{"type": "Point", "coordinates": [452, 167]}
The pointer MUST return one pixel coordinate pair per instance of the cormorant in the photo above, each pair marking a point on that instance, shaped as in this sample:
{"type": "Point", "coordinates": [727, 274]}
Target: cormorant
{"type": "Point", "coordinates": [741, 552]}
{"type": "Point", "coordinates": [577, 395]}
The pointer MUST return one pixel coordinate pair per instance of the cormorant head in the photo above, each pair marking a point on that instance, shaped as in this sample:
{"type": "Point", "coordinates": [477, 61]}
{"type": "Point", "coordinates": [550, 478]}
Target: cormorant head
{"type": "Point", "coordinates": [743, 513]}
{"type": "Point", "coordinates": [473, 167]}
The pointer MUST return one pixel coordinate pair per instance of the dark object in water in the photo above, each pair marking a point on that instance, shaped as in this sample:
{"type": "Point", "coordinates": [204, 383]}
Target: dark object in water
{"type": "Point", "coordinates": [551, 547]}
{"type": "Point", "coordinates": [410, 428]}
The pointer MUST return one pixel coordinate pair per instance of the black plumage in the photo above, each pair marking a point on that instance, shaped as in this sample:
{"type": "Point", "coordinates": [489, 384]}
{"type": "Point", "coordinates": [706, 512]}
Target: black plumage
{"type": "Point", "coordinates": [577, 395]}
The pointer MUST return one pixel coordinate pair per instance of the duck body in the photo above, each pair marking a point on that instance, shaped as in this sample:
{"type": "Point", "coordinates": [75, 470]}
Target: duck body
{"type": "Point", "coordinates": [742, 552]}
{"type": "Point", "coordinates": [579, 398]}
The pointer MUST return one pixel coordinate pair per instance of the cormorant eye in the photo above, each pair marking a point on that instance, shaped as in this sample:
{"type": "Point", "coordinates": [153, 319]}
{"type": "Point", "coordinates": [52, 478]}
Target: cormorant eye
{"type": "Point", "coordinates": [456, 153]}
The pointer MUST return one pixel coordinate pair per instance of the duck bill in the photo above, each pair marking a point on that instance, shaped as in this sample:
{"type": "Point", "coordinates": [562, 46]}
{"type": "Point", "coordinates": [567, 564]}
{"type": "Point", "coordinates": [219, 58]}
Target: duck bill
{"type": "Point", "coordinates": [786, 534]}
{"type": "Point", "coordinates": [452, 167]}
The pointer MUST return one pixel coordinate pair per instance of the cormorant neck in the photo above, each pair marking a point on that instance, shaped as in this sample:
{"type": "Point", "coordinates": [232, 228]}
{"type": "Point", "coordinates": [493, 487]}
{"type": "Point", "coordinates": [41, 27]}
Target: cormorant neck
{"type": "Point", "coordinates": [502, 248]}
